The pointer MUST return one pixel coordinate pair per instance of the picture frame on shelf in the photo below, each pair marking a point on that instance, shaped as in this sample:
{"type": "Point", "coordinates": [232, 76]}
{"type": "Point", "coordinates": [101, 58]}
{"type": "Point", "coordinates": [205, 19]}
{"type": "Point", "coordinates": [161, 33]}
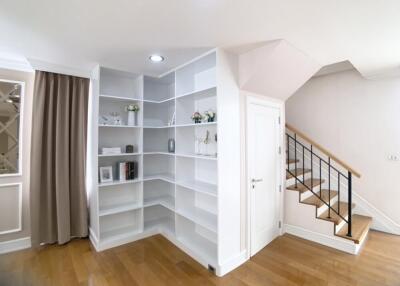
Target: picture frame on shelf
{"type": "Point", "coordinates": [106, 174]}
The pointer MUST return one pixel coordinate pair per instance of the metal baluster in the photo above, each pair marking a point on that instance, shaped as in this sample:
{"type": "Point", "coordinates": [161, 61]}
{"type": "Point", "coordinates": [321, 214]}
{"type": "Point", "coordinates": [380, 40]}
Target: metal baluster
{"type": "Point", "coordinates": [295, 160]}
{"type": "Point", "coordinates": [311, 164]}
{"type": "Point", "coordinates": [320, 177]}
{"type": "Point", "coordinates": [349, 202]}
{"type": "Point", "coordinates": [338, 173]}
{"type": "Point", "coordinates": [329, 187]}
{"type": "Point", "coordinates": [303, 164]}
{"type": "Point", "coordinates": [287, 141]}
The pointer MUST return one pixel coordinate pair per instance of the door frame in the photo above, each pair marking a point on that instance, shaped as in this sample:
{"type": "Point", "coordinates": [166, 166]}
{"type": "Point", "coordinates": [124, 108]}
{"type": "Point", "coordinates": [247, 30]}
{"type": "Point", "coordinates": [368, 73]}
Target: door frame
{"type": "Point", "coordinates": [280, 105]}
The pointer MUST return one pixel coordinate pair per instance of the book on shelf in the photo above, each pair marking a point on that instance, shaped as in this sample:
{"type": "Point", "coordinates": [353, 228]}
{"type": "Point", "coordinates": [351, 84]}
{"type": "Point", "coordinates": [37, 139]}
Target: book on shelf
{"type": "Point", "coordinates": [127, 170]}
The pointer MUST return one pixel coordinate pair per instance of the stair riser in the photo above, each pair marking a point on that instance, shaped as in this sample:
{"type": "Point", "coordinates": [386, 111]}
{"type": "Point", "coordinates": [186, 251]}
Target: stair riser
{"type": "Point", "coordinates": [308, 194]}
{"type": "Point", "coordinates": [322, 209]}
{"type": "Point", "coordinates": [341, 224]}
{"type": "Point", "coordinates": [291, 181]}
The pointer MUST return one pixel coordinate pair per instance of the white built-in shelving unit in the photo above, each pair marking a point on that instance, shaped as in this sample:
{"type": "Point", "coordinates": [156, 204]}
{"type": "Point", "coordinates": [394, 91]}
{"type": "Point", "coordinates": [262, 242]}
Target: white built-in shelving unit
{"type": "Point", "coordinates": [176, 194]}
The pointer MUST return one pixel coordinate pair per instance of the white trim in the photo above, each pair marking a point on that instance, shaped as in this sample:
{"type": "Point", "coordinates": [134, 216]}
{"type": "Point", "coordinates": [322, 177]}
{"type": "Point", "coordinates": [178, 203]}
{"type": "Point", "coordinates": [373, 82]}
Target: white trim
{"type": "Point", "coordinates": [272, 102]}
{"type": "Point", "coordinates": [18, 65]}
{"type": "Point", "coordinates": [60, 69]}
{"type": "Point", "coordinates": [331, 241]}
{"type": "Point", "coordinates": [93, 239]}
{"type": "Point", "coordinates": [231, 264]}
{"type": "Point", "coordinates": [19, 227]}
{"type": "Point", "coordinates": [14, 245]}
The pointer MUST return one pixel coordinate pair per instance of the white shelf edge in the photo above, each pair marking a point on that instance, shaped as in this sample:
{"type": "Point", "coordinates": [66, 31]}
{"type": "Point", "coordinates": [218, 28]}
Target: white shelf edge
{"type": "Point", "coordinates": [195, 92]}
{"type": "Point", "coordinates": [109, 237]}
{"type": "Point", "coordinates": [119, 98]}
{"type": "Point", "coordinates": [158, 153]}
{"type": "Point", "coordinates": [117, 182]}
{"type": "Point", "coordinates": [118, 126]}
{"type": "Point", "coordinates": [158, 101]}
{"type": "Point", "coordinates": [203, 157]}
{"type": "Point", "coordinates": [159, 127]}
{"type": "Point", "coordinates": [164, 177]}
{"type": "Point", "coordinates": [120, 209]}
{"type": "Point", "coordinates": [162, 201]}
{"type": "Point", "coordinates": [196, 124]}
{"type": "Point", "coordinates": [120, 154]}
{"type": "Point", "coordinates": [199, 189]}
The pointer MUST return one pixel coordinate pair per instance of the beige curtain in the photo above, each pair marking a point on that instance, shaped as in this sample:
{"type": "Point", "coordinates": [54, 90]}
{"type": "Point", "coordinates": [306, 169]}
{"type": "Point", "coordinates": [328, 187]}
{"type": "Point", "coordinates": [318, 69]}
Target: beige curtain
{"type": "Point", "coordinates": [58, 195]}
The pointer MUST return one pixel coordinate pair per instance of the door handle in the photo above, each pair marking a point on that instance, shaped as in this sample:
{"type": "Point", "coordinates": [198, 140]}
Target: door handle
{"type": "Point", "coordinates": [256, 180]}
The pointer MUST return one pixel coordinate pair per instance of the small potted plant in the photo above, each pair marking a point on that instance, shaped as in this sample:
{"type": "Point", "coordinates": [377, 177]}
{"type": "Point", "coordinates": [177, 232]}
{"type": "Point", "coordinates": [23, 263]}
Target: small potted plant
{"type": "Point", "coordinates": [132, 110]}
{"type": "Point", "coordinates": [196, 117]}
{"type": "Point", "coordinates": [209, 116]}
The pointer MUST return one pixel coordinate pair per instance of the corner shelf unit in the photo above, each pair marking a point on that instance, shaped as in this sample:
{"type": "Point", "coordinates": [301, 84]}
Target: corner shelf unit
{"type": "Point", "coordinates": [175, 194]}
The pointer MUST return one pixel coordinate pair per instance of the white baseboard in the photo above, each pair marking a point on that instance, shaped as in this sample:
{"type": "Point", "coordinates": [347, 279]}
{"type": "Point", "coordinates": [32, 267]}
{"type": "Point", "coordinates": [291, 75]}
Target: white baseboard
{"type": "Point", "coordinates": [231, 264]}
{"type": "Point", "coordinates": [380, 221]}
{"type": "Point", "coordinates": [14, 245]}
{"type": "Point", "coordinates": [93, 239]}
{"type": "Point", "coordinates": [331, 241]}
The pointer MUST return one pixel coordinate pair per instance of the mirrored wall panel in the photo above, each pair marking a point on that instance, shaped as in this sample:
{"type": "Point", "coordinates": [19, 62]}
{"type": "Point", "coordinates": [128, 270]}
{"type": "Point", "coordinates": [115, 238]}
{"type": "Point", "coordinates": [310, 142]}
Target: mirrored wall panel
{"type": "Point", "coordinates": [10, 98]}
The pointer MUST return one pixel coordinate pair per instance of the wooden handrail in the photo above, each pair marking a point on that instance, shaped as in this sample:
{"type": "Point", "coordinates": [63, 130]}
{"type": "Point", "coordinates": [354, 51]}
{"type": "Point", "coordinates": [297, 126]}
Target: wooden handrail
{"type": "Point", "coordinates": [323, 150]}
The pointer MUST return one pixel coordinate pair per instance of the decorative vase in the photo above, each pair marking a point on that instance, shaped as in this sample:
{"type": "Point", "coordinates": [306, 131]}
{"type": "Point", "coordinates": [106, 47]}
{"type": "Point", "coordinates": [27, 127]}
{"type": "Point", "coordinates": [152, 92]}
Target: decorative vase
{"type": "Point", "coordinates": [211, 119]}
{"type": "Point", "coordinates": [171, 145]}
{"type": "Point", "coordinates": [131, 118]}
{"type": "Point", "coordinates": [197, 120]}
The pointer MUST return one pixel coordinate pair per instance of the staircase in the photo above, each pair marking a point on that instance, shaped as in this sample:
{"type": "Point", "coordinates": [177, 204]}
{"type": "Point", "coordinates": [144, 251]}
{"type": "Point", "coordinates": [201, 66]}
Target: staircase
{"type": "Point", "coordinates": [323, 182]}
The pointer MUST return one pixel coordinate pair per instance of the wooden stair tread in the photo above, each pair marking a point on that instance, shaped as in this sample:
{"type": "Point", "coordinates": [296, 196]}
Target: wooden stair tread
{"type": "Point", "coordinates": [302, 188]}
{"type": "Point", "coordinates": [335, 218]}
{"type": "Point", "coordinates": [360, 226]}
{"type": "Point", "coordinates": [291, 161]}
{"type": "Point", "coordinates": [316, 201]}
{"type": "Point", "coordinates": [300, 172]}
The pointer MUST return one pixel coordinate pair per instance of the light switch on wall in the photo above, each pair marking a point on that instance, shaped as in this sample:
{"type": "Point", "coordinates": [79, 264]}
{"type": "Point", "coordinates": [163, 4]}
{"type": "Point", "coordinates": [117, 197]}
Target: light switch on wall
{"type": "Point", "coordinates": [394, 157]}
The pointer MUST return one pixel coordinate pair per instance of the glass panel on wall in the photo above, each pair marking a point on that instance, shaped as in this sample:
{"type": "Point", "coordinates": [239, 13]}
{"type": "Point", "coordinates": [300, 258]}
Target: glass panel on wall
{"type": "Point", "coordinates": [10, 97]}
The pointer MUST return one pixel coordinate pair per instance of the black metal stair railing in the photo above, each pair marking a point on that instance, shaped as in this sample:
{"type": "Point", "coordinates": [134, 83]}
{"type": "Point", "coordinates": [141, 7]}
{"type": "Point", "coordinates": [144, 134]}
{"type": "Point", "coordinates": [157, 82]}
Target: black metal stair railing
{"type": "Point", "coordinates": [310, 187]}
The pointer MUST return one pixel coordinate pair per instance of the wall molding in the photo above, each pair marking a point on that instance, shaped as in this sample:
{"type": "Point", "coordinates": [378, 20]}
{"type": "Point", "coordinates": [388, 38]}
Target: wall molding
{"type": "Point", "coordinates": [60, 69]}
{"type": "Point", "coordinates": [14, 245]}
{"type": "Point", "coordinates": [331, 241]}
{"type": "Point", "coordinates": [13, 64]}
{"type": "Point", "coordinates": [19, 226]}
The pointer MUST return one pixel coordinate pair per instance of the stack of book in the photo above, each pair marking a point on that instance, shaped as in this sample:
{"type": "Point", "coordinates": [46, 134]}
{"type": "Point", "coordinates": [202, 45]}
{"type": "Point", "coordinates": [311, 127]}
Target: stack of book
{"type": "Point", "coordinates": [127, 170]}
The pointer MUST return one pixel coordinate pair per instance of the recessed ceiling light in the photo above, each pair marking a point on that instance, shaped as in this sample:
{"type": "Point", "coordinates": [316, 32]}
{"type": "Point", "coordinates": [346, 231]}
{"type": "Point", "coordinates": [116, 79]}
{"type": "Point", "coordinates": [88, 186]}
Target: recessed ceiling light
{"type": "Point", "coordinates": [9, 101]}
{"type": "Point", "coordinates": [156, 58]}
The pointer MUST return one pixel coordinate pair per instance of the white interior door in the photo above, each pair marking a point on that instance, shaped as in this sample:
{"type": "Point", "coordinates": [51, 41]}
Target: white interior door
{"type": "Point", "coordinates": [263, 141]}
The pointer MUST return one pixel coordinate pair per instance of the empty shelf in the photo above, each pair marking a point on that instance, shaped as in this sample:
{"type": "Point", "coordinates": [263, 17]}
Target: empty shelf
{"type": "Point", "coordinates": [170, 178]}
{"type": "Point", "coordinates": [198, 186]}
{"type": "Point", "coordinates": [165, 201]}
{"type": "Point", "coordinates": [118, 208]}
{"type": "Point", "coordinates": [166, 224]}
{"type": "Point", "coordinates": [200, 217]}
{"type": "Point", "coordinates": [119, 232]}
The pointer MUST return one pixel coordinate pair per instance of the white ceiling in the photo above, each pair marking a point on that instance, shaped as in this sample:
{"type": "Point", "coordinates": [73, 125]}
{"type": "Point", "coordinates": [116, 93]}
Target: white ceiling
{"type": "Point", "coordinates": [123, 33]}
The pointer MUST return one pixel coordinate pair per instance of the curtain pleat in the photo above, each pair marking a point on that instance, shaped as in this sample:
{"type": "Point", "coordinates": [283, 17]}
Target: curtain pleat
{"type": "Point", "coordinates": [58, 195]}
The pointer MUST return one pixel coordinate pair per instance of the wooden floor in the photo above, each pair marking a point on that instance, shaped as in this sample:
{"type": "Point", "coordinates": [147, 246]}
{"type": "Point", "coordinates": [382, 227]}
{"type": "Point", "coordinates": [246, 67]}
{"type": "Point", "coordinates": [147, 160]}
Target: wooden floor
{"type": "Point", "coordinates": [155, 261]}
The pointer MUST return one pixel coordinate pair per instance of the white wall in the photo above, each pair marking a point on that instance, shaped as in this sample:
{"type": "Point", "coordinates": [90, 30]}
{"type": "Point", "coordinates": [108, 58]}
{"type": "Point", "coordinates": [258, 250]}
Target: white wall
{"type": "Point", "coordinates": [276, 69]}
{"type": "Point", "coordinates": [357, 120]}
{"type": "Point", "coordinates": [28, 78]}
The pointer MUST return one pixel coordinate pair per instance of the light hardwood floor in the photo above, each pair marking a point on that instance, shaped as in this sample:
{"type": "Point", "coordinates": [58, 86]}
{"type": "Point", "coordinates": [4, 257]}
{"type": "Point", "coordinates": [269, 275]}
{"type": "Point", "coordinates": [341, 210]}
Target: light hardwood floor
{"type": "Point", "coordinates": [155, 261]}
